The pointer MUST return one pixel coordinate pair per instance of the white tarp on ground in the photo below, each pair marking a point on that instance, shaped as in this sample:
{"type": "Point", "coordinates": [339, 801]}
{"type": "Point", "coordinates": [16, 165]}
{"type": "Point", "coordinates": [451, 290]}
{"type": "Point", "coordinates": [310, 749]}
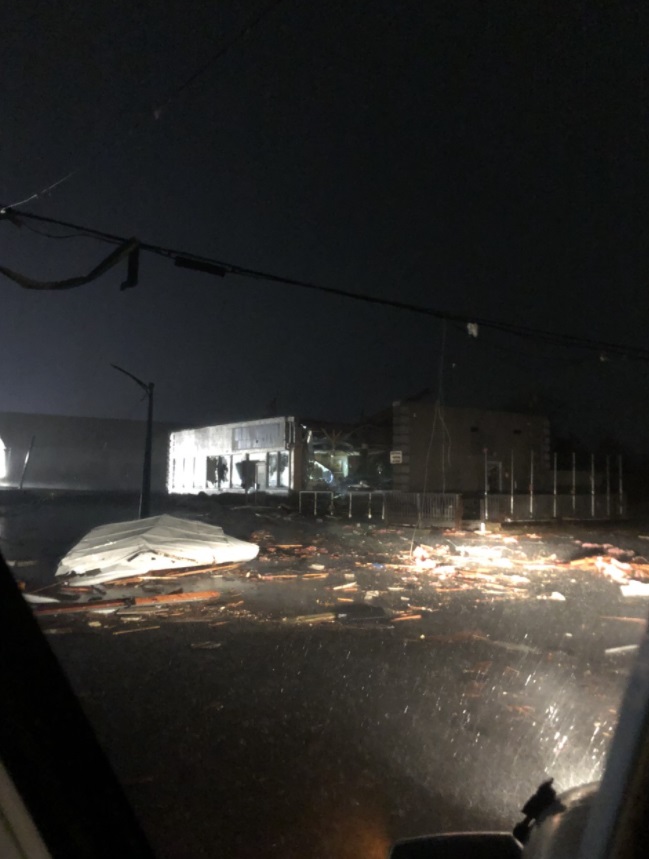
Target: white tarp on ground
{"type": "Point", "coordinates": [136, 548]}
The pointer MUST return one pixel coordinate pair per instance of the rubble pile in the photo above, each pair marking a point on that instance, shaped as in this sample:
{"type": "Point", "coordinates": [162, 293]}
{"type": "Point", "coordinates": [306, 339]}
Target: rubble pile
{"type": "Point", "coordinates": [505, 562]}
{"type": "Point", "coordinates": [335, 572]}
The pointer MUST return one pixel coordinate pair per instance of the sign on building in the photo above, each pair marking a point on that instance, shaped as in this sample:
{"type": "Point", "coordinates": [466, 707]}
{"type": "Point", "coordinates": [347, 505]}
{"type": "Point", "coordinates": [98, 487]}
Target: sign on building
{"type": "Point", "coordinates": [396, 457]}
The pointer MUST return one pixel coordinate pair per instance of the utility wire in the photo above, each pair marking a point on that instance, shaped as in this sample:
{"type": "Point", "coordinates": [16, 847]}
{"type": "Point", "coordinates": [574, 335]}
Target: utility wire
{"type": "Point", "coordinates": [56, 235]}
{"type": "Point", "coordinates": [197, 262]}
{"type": "Point", "coordinates": [511, 355]}
{"type": "Point", "coordinates": [158, 111]}
{"type": "Point", "coordinates": [240, 34]}
{"type": "Point", "coordinates": [37, 194]}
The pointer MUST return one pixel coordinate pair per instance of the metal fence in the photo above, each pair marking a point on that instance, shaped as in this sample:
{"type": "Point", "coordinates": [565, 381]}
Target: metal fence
{"type": "Point", "coordinates": [316, 502]}
{"type": "Point", "coordinates": [427, 509]}
{"type": "Point", "coordinates": [393, 508]}
{"type": "Point", "coordinates": [423, 508]}
{"type": "Point", "coordinates": [498, 508]}
{"type": "Point", "coordinates": [363, 505]}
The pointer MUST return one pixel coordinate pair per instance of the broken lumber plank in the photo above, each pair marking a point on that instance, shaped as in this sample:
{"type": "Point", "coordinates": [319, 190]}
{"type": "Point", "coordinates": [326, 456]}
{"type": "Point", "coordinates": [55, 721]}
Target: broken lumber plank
{"type": "Point", "coordinates": [134, 629]}
{"type": "Point", "coordinates": [106, 605]}
{"type": "Point", "coordinates": [323, 617]}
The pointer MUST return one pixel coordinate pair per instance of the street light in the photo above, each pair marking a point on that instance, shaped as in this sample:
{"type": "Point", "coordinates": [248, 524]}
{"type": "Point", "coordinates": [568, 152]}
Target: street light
{"type": "Point", "coordinates": [145, 494]}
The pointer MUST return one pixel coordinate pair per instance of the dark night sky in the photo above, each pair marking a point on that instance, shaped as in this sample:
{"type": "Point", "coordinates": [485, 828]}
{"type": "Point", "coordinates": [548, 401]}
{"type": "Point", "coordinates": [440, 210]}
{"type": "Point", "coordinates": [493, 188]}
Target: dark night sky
{"type": "Point", "coordinates": [484, 158]}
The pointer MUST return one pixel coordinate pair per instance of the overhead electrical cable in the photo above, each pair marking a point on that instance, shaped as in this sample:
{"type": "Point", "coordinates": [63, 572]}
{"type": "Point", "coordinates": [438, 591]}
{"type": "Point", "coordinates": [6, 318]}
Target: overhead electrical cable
{"type": "Point", "coordinates": [247, 28]}
{"type": "Point", "coordinates": [37, 194]}
{"type": "Point", "coordinates": [220, 268]}
{"type": "Point", "coordinates": [157, 112]}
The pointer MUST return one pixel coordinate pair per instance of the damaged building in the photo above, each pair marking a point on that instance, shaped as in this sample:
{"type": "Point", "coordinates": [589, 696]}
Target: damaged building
{"type": "Point", "coordinates": [348, 456]}
{"type": "Point", "coordinates": [413, 446]}
{"type": "Point", "coordinates": [266, 454]}
{"type": "Point", "coordinates": [277, 455]}
{"type": "Point", "coordinates": [454, 449]}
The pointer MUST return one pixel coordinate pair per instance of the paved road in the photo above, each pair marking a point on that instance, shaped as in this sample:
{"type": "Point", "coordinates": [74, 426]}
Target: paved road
{"type": "Point", "coordinates": [274, 738]}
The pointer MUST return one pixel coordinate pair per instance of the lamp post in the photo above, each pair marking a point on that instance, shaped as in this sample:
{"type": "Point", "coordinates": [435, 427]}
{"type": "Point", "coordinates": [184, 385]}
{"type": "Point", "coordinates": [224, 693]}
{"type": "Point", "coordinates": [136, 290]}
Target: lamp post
{"type": "Point", "coordinates": [145, 494]}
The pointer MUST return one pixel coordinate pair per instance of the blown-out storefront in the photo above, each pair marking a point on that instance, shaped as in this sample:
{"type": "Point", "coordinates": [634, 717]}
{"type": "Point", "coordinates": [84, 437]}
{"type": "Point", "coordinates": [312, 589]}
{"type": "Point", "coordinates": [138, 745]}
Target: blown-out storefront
{"type": "Point", "coordinates": [264, 454]}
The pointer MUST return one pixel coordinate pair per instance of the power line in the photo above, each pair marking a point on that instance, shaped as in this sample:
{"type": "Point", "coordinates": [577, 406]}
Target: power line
{"type": "Point", "coordinates": [197, 262]}
{"type": "Point", "coordinates": [240, 34]}
{"type": "Point", "coordinates": [37, 194]}
{"type": "Point", "coordinates": [157, 112]}
{"type": "Point", "coordinates": [55, 235]}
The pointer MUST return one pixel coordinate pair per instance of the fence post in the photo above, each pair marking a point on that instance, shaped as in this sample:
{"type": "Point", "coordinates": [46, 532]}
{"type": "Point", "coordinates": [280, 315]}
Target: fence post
{"type": "Point", "coordinates": [369, 506]}
{"type": "Point", "coordinates": [486, 486]}
{"type": "Point", "coordinates": [459, 512]}
{"type": "Point", "coordinates": [608, 486]}
{"type": "Point", "coordinates": [620, 499]}
{"type": "Point", "coordinates": [592, 486]}
{"type": "Point", "coordinates": [554, 487]}
{"type": "Point", "coordinates": [511, 486]}
{"type": "Point", "coordinates": [299, 506]}
{"type": "Point", "coordinates": [574, 482]}
{"type": "Point", "coordinates": [532, 483]}
{"type": "Point", "coordinates": [315, 503]}
{"type": "Point", "coordinates": [349, 516]}
{"type": "Point", "coordinates": [383, 508]}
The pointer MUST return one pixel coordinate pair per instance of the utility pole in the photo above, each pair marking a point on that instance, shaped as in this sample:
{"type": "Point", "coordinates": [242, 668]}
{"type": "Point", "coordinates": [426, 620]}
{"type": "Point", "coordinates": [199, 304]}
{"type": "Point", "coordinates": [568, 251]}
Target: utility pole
{"type": "Point", "coordinates": [145, 493]}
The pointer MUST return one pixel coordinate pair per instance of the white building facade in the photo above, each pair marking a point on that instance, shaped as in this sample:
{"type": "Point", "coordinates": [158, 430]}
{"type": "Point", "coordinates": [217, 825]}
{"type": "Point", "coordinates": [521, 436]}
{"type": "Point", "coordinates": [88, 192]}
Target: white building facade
{"type": "Point", "coordinates": [266, 455]}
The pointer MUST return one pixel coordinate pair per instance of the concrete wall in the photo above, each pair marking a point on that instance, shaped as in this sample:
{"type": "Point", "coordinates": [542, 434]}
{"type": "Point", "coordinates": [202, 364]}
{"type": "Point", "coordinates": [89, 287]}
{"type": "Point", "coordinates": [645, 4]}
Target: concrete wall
{"type": "Point", "coordinates": [78, 453]}
{"type": "Point", "coordinates": [445, 450]}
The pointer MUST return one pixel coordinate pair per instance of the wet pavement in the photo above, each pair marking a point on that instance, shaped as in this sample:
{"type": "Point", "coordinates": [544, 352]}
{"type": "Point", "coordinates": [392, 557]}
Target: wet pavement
{"type": "Point", "coordinates": [341, 691]}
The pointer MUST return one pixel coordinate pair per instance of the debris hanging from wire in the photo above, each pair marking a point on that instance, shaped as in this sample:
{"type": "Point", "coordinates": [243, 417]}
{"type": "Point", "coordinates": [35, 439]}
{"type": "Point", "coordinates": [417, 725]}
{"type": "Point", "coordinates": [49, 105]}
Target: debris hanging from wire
{"type": "Point", "coordinates": [220, 268]}
{"type": "Point", "coordinates": [128, 249]}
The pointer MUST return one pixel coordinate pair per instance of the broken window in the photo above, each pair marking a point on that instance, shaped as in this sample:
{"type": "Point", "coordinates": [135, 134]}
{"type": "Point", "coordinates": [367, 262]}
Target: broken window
{"type": "Point", "coordinates": [212, 472]}
{"type": "Point", "coordinates": [284, 475]}
{"type": "Point", "coordinates": [237, 459]}
{"type": "Point", "coordinates": [272, 469]}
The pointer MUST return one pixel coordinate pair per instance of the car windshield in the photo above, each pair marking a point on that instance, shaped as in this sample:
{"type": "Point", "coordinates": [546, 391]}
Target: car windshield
{"type": "Point", "coordinates": [322, 431]}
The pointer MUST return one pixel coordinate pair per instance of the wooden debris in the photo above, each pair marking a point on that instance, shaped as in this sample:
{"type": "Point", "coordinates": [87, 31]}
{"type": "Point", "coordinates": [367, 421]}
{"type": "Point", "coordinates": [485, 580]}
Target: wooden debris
{"type": "Point", "coordinates": [134, 629]}
{"type": "Point", "coordinates": [626, 648]}
{"type": "Point", "coordinates": [68, 590]}
{"type": "Point", "coordinates": [171, 574]}
{"type": "Point", "coordinates": [323, 617]}
{"type": "Point", "coordinates": [520, 709]}
{"type": "Point", "coordinates": [115, 604]}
